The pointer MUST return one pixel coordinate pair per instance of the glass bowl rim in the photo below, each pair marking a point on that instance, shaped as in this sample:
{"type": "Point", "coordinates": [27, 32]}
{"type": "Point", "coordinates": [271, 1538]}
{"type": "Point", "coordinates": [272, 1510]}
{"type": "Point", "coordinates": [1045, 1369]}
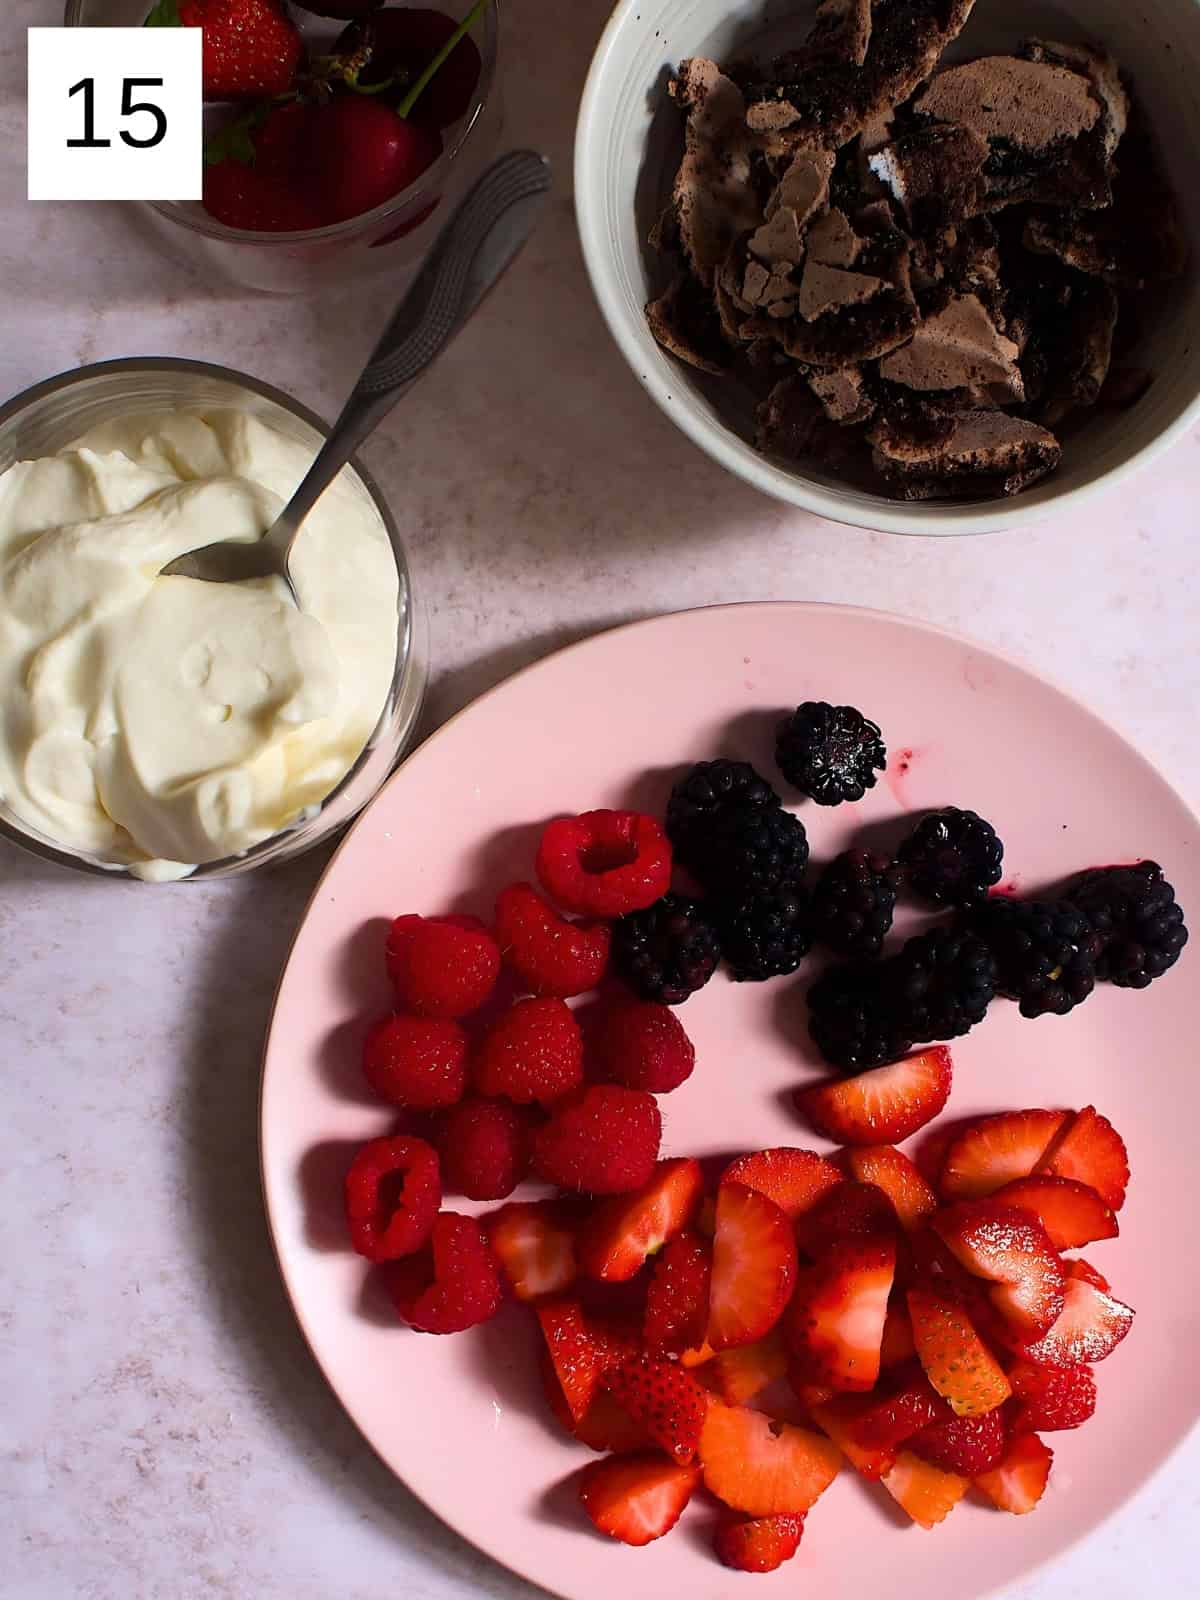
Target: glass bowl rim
{"type": "Point", "coordinates": [227, 866]}
{"type": "Point", "coordinates": [407, 199]}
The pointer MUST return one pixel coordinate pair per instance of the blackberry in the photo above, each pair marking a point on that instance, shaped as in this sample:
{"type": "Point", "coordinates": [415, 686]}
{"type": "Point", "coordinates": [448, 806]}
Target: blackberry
{"type": "Point", "coordinates": [830, 753]}
{"type": "Point", "coordinates": [952, 857]}
{"type": "Point", "coordinates": [667, 951]}
{"type": "Point", "coordinates": [940, 985]}
{"type": "Point", "coordinates": [751, 849]}
{"type": "Point", "coordinates": [853, 902]}
{"type": "Point", "coordinates": [1045, 952]}
{"type": "Point", "coordinates": [852, 1021]}
{"type": "Point", "coordinates": [705, 793]}
{"type": "Point", "coordinates": [1137, 919]}
{"type": "Point", "coordinates": [767, 935]}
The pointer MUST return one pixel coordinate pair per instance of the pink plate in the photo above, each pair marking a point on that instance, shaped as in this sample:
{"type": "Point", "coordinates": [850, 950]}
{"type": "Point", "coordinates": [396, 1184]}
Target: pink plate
{"type": "Point", "coordinates": [609, 722]}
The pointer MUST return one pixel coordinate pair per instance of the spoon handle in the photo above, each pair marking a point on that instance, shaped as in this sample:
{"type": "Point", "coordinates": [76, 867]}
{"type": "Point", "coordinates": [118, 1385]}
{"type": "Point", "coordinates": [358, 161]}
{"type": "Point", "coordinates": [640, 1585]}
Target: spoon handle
{"type": "Point", "coordinates": [471, 255]}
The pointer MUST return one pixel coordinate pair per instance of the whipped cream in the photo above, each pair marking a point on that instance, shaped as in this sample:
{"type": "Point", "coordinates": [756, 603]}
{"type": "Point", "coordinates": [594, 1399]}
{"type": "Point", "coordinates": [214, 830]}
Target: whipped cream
{"type": "Point", "coordinates": [164, 722]}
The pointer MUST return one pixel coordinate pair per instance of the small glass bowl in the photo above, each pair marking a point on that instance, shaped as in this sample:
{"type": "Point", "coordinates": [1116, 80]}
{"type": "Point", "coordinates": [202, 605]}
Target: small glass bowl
{"type": "Point", "coordinates": [392, 238]}
{"type": "Point", "coordinates": [53, 414]}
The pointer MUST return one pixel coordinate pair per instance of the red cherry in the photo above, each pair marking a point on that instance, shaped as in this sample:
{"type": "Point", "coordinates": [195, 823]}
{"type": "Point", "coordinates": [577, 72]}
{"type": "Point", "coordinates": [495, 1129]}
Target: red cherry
{"type": "Point", "coordinates": [405, 40]}
{"type": "Point", "coordinates": [362, 154]}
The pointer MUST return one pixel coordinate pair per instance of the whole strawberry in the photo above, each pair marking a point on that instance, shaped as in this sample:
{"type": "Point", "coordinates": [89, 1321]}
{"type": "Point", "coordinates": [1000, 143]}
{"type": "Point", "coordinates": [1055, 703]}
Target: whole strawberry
{"type": "Point", "coordinates": [251, 49]}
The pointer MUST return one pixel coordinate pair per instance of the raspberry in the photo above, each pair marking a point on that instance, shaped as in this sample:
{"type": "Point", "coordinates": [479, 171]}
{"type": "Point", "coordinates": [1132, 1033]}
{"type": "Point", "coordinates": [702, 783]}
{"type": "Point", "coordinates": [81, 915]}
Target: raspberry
{"type": "Point", "coordinates": [605, 863]}
{"type": "Point", "coordinates": [418, 1062]}
{"type": "Point", "coordinates": [484, 1147]}
{"type": "Point", "coordinates": [453, 1284]}
{"type": "Point", "coordinates": [392, 1191]}
{"type": "Point", "coordinates": [442, 966]}
{"type": "Point", "coordinates": [550, 955]}
{"type": "Point", "coordinates": [604, 1142]}
{"type": "Point", "coordinates": [644, 1046]}
{"type": "Point", "coordinates": [532, 1052]}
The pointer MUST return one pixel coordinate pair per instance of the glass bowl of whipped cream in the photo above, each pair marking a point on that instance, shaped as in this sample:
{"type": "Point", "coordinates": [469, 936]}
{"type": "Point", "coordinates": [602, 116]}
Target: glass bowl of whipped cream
{"type": "Point", "coordinates": [164, 728]}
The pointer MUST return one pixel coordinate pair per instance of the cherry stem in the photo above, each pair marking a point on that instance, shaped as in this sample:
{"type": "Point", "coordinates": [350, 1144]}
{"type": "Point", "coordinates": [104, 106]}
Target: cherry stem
{"type": "Point", "coordinates": [464, 27]}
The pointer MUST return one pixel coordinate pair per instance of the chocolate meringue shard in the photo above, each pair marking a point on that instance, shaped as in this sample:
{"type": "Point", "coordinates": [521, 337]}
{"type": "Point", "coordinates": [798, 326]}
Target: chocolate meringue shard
{"type": "Point", "coordinates": [779, 239]}
{"type": "Point", "coordinates": [981, 453]}
{"type": "Point", "coordinates": [804, 186]}
{"type": "Point", "coordinates": [714, 197]}
{"type": "Point", "coordinates": [1081, 353]}
{"type": "Point", "coordinates": [935, 174]}
{"type": "Point", "coordinates": [684, 321]}
{"type": "Point", "coordinates": [830, 105]}
{"type": "Point", "coordinates": [843, 395]}
{"type": "Point", "coordinates": [792, 423]}
{"type": "Point", "coordinates": [841, 32]}
{"type": "Point", "coordinates": [824, 289]}
{"type": "Point", "coordinates": [832, 241]}
{"type": "Point", "coordinates": [959, 348]}
{"type": "Point", "coordinates": [1103, 74]}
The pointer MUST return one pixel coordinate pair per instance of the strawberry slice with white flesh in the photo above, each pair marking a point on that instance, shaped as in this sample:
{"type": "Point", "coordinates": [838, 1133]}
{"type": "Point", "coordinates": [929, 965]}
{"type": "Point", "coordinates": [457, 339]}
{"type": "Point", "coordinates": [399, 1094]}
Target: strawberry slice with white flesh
{"type": "Point", "coordinates": [1091, 1151]}
{"type": "Point", "coordinates": [1019, 1482]}
{"type": "Point", "coordinates": [761, 1467]}
{"type": "Point", "coordinates": [625, 1230]}
{"type": "Point", "coordinates": [834, 1325]}
{"type": "Point", "coordinates": [1011, 1250]}
{"type": "Point", "coordinates": [1072, 1213]}
{"type": "Point", "coordinates": [992, 1151]}
{"type": "Point", "coordinates": [535, 1247]}
{"type": "Point", "coordinates": [883, 1106]}
{"type": "Point", "coordinates": [1090, 1327]}
{"type": "Point", "coordinates": [636, 1498]}
{"type": "Point", "coordinates": [754, 1267]}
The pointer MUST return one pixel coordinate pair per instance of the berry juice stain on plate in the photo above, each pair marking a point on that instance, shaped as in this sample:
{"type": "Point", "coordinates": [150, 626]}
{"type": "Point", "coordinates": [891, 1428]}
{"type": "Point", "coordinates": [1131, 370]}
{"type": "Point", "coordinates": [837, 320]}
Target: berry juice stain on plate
{"type": "Point", "coordinates": [935, 1334]}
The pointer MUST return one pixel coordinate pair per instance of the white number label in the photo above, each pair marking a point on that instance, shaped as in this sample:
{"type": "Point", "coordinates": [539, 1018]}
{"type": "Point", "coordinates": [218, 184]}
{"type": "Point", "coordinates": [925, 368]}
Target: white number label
{"type": "Point", "coordinates": [115, 114]}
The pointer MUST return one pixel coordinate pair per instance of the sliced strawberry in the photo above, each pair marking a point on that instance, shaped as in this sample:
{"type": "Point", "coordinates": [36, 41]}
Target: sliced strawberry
{"type": "Point", "coordinates": [834, 1324]}
{"type": "Point", "coordinates": [754, 1267]}
{"type": "Point", "coordinates": [1090, 1327]}
{"type": "Point", "coordinates": [1083, 1269]}
{"type": "Point", "coordinates": [535, 1246]}
{"type": "Point", "coordinates": [1012, 1250]}
{"type": "Point", "coordinates": [897, 1342]}
{"type": "Point", "coordinates": [758, 1544]}
{"type": "Point", "coordinates": [956, 1361]}
{"type": "Point", "coordinates": [883, 1106]}
{"type": "Point", "coordinates": [582, 1350]}
{"type": "Point", "coordinates": [1019, 1482]}
{"type": "Point", "coordinates": [1071, 1212]}
{"type": "Point", "coordinates": [662, 1398]}
{"type": "Point", "coordinates": [699, 1357]}
{"type": "Point", "coordinates": [738, 1375]}
{"type": "Point", "coordinates": [1047, 1399]}
{"type": "Point", "coordinates": [808, 1394]}
{"type": "Point", "coordinates": [677, 1298]}
{"type": "Point", "coordinates": [839, 1418]}
{"type": "Point", "coordinates": [624, 1230]}
{"type": "Point", "coordinates": [927, 1493]}
{"type": "Point", "coordinates": [761, 1467]}
{"type": "Point", "coordinates": [636, 1498]}
{"type": "Point", "coordinates": [794, 1179]}
{"type": "Point", "coordinates": [993, 1151]}
{"type": "Point", "coordinates": [889, 1169]}
{"type": "Point", "coordinates": [967, 1445]}
{"type": "Point", "coordinates": [1093, 1152]}
{"type": "Point", "coordinates": [887, 1421]}
{"type": "Point", "coordinates": [604, 1426]}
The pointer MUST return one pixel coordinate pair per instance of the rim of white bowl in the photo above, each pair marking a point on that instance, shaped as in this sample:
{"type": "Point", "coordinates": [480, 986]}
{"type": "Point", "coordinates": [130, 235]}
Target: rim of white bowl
{"type": "Point", "coordinates": [935, 519]}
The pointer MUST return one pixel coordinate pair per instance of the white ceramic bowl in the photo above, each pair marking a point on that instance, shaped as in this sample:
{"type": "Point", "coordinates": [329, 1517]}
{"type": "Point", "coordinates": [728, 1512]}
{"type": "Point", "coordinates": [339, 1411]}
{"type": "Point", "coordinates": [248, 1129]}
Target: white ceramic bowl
{"type": "Point", "coordinates": [628, 144]}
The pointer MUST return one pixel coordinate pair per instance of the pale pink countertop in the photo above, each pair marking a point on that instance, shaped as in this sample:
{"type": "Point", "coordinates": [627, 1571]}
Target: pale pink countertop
{"type": "Point", "coordinates": [164, 1432]}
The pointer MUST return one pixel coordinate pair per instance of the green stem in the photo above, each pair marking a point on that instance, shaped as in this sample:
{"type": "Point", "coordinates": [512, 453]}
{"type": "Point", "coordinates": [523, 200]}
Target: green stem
{"type": "Point", "coordinates": [464, 27]}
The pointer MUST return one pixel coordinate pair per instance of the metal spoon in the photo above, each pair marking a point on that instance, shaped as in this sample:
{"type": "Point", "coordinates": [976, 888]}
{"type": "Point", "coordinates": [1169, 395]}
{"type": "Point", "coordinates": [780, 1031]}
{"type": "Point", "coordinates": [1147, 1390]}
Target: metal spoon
{"type": "Point", "coordinates": [473, 252]}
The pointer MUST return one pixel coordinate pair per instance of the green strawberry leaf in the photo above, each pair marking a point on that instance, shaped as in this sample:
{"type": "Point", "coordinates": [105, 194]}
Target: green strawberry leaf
{"type": "Point", "coordinates": [235, 141]}
{"type": "Point", "coordinates": [164, 15]}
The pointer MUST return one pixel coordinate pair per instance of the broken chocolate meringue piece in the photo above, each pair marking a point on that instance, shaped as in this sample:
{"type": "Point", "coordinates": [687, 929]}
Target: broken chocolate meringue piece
{"type": "Point", "coordinates": [831, 103]}
{"type": "Point", "coordinates": [1048, 139]}
{"type": "Point", "coordinates": [935, 174]}
{"type": "Point", "coordinates": [763, 289]}
{"type": "Point", "coordinates": [981, 453]}
{"type": "Point", "coordinates": [824, 289]}
{"type": "Point", "coordinates": [684, 321]}
{"type": "Point", "coordinates": [792, 423]}
{"type": "Point", "coordinates": [804, 186]}
{"type": "Point", "coordinates": [959, 348]}
{"type": "Point", "coordinates": [714, 197]}
{"type": "Point", "coordinates": [779, 239]}
{"type": "Point", "coordinates": [1105, 78]}
{"type": "Point", "coordinates": [832, 241]}
{"type": "Point", "coordinates": [843, 394]}
{"type": "Point", "coordinates": [1081, 352]}
{"type": "Point", "coordinates": [841, 32]}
